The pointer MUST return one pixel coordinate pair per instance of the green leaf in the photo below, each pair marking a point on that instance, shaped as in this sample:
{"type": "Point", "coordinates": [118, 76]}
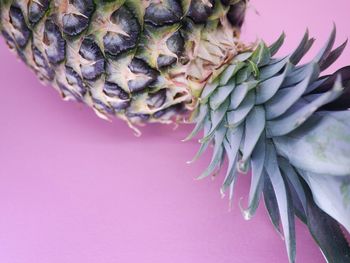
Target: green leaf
{"type": "Point", "coordinates": [200, 119]}
{"type": "Point", "coordinates": [208, 90]}
{"type": "Point", "coordinates": [254, 127]}
{"type": "Point", "coordinates": [327, 233]}
{"type": "Point", "coordinates": [274, 48]}
{"type": "Point", "coordinates": [271, 204]}
{"type": "Point", "coordinates": [221, 94]}
{"type": "Point", "coordinates": [257, 181]}
{"type": "Point", "coordinates": [217, 118]}
{"type": "Point", "coordinates": [273, 68]}
{"type": "Point", "coordinates": [261, 56]}
{"type": "Point", "coordinates": [333, 56]}
{"type": "Point", "coordinates": [285, 206]}
{"type": "Point", "coordinates": [234, 138]}
{"type": "Point", "coordinates": [321, 145]}
{"type": "Point", "coordinates": [232, 144]}
{"type": "Point", "coordinates": [242, 57]}
{"type": "Point", "coordinates": [231, 173]}
{"type": "Point", "coordinates": [287, 97]}
{"type": "Point", "coordinates": [302, 48]}
{"type": "Point", "coordinates": [327, 193]}
{"type": "Point", "coordinates": [324, 52]}
{"type": "Point", "coordinates": [217, 154]}
{"type": "Point", "coordinates": [299, 73]}
{"type": "Point", "coordinates": [316, 84]}
{"type": "Point", "coordinates": [255, 69]}
{"type": "Point", "coordinates": [240, 93]}
{"type": "Point", "coordinates": [236, 117]}
{"type": "Point", "coordinates": [268, 88]}
{"type": "Point", "coordinates": [205, 144]}
{"type": "Point", "coordinates": [292, 176]}
{"type": "Point", "coordinates": [230, 72]}
{"type": "Point", "coordinates": [243, 74]}
{"type": "Point", "coordinates": [296, 116]}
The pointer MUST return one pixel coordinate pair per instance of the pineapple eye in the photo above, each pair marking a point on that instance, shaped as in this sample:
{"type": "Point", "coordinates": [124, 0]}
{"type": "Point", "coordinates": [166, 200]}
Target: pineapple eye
{"type": "Point", "coordinates": [93, 65]}
{"type": "Point", "coordinates": [124, 33]}
{"type": "Point", "coordinates": [113, 90]}
{"type": "Point", "coordinates": [41, 62]}
{"type": "Point", "coordinates": [200, 10]}
{"type": "Point", "coordinates": [157, 99]}
{"type": "Point", "coordinates": [78, 17]}
{"type": "Point", "coordinates": [175, 44]}
{"type": "Point", "coordinates": [170, 111]}
{"type": "Point", "coordinates": [75, 81]}
{"type": "Point", "coordinates": [22, 32]}
{"type": "Point", "coordinates": [163, 12]}
{"type": "Point", "coordinates": [100, 106]}
{"type": "Point", "coordinates": [55, 44]}
{"type": "Point", "coordinates": [68, 93]}
{"type": "Point", "coordinates": [165, 61]}
{"type": "Point", "coordinates": [36, 10]}
{"type": "Point", "coordinates": [144, 75]}
{"type": "Point", "coordinates": [138, 117]}
{"type": "Point", "coordinates": [9, 40]}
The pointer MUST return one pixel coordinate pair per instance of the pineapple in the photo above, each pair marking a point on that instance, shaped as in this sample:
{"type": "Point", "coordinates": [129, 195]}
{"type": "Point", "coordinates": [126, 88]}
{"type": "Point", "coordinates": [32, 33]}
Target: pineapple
{"type": "Point", "coordinates": [166, 60]}
{"type": "Point", "coordinates": [140, 60]}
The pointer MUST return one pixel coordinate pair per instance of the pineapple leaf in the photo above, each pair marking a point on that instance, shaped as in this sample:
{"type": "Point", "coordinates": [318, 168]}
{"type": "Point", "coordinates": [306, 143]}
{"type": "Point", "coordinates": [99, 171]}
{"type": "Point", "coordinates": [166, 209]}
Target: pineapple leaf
{"type": "Point", "coordinates": [235, 117]}
{"type": "Point", "coordinates": [271, 205]}
{"type": "Point", "coordinates": [200, 119]}
{"type": "Point", "coordinates": [269, 116]}
{"type": "Point", "coordinates": [292, 176]}
{"type": "Point", "coordinates": [283, 198]}
{"type": "Point", "coordinates": [327, 233]}
{"type": "Point", "coordinates": [327, 194]}
{"type": "Point", "coordinates": [240, 93]}
{"type": "Point", "coordinates": [218, 151]}
{"type": "Point", "coordinates": [221, 94]}
{"type": "Point", "coordinates": [321, 145]}
{"type": "Point", "coordinates": [243, 74]}
{"type": "Point", "coordinates": [254, 127]}
{"type": "Point", "coordinates": [208, 90]}
{"type": "Point", "coordinates": [257, 181]}
{"type": "Point", "coordinates": [333, 56]}
{"type": "Point", "coordinates": [216, 118]}
{"type": "Point", "coordinates": [273, 68]}
{"type": "Point", "coordinates": [295, 117]}
{"type": "Point", "coordinates": [275, 47]}
{"type": "Point", "coordinates": [302, 49]}
{"type": "Point", "coordinates": [268, 88]}
{"type": "Point", "coordinates": [230, 71]}
{"type": "Point", "coordinates": [261, 56]}
{"type": "Point", "coordinates": [324, 52]}
{"type": "Point", "coordinates": [242, 57]}
{"type": "Point", "coordinates": [287, 97]}
{"type": "Point", "coordinates": [231, 172]}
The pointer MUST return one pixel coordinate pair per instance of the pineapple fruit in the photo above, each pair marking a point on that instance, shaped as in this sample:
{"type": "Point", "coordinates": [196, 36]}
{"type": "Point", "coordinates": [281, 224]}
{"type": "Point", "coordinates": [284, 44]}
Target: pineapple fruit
{"type": "Point", "coordinates": [168, 60]}
{"type": "Point", "coordinates": [140, 60]}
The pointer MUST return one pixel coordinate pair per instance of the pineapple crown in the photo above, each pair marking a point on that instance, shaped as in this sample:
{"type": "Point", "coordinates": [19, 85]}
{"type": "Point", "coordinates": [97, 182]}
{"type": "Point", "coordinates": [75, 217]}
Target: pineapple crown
{"type": "Point", "coordinates": [289, 127]}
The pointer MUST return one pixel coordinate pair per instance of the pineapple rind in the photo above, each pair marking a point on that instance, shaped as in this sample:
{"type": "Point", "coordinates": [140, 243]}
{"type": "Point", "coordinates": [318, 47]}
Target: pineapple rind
{"type": "Point", "coordinates": [207, 47]}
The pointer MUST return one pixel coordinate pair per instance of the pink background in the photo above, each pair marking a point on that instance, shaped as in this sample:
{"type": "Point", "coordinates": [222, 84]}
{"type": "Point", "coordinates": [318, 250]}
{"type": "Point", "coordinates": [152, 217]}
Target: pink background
{"type": "Point", "coordinates": [74, 188]}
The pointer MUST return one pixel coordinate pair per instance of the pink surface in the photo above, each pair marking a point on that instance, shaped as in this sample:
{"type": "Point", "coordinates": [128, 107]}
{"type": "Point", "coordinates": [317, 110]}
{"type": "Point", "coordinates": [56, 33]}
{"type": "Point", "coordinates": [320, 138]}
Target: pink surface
{"type": "Point", "coordinates": [74, 188]}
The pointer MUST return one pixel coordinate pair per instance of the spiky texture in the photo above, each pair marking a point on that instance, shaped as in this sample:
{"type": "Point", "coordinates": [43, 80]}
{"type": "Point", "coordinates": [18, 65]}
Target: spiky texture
{"type": "Point", "coordinates": [290, 128]}
{"type": "Point", "coordinates": [140, 60]}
